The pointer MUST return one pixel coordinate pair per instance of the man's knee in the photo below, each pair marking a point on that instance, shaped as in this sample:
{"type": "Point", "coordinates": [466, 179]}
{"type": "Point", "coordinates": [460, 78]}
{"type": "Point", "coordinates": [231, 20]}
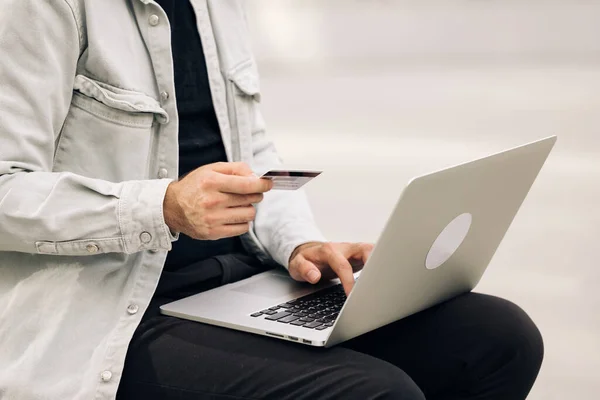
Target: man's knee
{"type": "Point", "coordinates": [519, 332]}
{"type": "Point", "coordinates": [522, 336]}
{"type": "Point", "coordinates": [515, 338]}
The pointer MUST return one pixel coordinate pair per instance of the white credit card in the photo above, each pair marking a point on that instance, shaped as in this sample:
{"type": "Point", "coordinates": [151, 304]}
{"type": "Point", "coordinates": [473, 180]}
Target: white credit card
{"type": "Point", "coordinates": [290, 179]}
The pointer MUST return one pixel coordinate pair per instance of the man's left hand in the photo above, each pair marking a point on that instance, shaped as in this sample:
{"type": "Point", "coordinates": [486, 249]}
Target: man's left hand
{"type": "Point", "coordinates": [311, 262]}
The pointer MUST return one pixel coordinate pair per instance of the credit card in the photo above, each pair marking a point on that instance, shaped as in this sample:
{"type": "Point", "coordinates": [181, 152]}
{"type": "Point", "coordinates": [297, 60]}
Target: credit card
{"type": "Point", "coordinates": [290, 179]}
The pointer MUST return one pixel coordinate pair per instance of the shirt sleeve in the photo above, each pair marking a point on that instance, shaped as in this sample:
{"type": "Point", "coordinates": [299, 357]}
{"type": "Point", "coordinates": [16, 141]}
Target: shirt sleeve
{"type": "Point", "coordinates": [48, 212]}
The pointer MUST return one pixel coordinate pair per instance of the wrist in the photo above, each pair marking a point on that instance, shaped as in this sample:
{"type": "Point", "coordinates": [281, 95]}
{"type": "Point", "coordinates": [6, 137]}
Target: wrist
{"type": "Point", "coordinates": [172, 209]}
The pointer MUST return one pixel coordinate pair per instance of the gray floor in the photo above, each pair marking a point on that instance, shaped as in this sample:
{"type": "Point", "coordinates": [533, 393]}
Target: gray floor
{"type": "Point", "coordinates": [374, 92]}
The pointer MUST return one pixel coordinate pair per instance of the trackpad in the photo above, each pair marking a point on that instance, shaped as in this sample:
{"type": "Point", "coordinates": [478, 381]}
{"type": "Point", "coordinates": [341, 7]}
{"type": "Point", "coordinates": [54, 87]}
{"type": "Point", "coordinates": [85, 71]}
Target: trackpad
{"type": "Point", "coordinates": [273, 286]}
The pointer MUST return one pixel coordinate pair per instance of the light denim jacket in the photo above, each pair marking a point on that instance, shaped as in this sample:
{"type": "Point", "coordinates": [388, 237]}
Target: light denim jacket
{"type": "Point", "coordinates": [88, 145]}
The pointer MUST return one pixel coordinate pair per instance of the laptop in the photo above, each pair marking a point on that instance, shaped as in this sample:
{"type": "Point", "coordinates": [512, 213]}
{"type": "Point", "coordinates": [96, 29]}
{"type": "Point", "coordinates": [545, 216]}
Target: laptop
{"type": "Point", "coordinates": [436, 244]}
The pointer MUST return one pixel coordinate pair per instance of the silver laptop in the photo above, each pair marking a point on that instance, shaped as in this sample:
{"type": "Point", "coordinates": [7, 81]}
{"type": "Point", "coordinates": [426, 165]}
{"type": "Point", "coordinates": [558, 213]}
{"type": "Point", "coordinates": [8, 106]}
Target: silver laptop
{"type": "Point", "coordinates": [437, 243]}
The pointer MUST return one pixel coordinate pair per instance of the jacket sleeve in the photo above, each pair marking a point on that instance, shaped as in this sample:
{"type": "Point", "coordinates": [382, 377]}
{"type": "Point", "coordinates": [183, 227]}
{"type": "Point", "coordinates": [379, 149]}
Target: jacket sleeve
{"type": "Point", "coordinates": [58, 213]}
{"type": "Point", "coordinates": [284, 219]}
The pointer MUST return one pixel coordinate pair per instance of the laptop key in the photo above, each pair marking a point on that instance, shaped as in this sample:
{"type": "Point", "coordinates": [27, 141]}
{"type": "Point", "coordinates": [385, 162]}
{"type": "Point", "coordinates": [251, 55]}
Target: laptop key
{"type": "Point", "coordinates": [277, 316]}
{"type": "Point", "coordinates": [322, 327]}
{"type": "Point", "coordinates": [301, 314]}
{"type": "Point", "coordinates": [269, 312]}
{"type": "Point", "coordinates": [307, 319]}
{"type": "Point", "coordinates": [312, 325]}
{"type": "Point", "coordinates": [288, 319]}
{"type": "Point", "coordinates": [285, 305]}
{"type": "Point", "coordinates": [258, 314]}
{"type": "Point", "coordinates": [274, 308]}
{"type": "Point", "coordinates": [298, 322]}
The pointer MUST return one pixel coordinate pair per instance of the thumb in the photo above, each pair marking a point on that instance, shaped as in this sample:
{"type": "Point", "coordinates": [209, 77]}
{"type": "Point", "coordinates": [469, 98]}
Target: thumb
{"type": "Point", "coordinates": [304, 270]}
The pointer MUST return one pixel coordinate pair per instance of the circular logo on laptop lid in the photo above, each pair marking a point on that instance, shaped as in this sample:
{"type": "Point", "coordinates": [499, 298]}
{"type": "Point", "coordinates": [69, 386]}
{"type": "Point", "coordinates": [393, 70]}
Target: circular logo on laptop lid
{"type": "Point", "coordinates": [449, 241]}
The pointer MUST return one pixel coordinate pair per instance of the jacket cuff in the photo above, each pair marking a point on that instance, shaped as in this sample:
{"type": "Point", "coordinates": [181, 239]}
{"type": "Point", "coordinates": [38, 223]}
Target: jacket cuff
{"type": "Point", "coordinates": [141, 217]}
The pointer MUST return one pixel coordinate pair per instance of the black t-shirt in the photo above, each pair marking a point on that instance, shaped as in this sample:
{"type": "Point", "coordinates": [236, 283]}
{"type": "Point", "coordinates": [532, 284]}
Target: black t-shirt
{"type": "Point", "coordinates": [200, 141]}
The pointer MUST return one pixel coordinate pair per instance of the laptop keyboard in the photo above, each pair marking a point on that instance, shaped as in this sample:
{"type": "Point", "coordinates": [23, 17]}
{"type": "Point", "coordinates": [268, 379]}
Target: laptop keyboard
{"type": "Point", "coordinates": [315, 311]}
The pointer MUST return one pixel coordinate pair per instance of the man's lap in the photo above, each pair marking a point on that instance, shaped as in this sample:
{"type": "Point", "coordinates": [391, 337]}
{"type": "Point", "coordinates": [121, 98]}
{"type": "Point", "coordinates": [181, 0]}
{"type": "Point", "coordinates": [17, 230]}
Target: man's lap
{"type": "Point", "coordinates": [212, 362]}
{"type": "Point", "coordinates": [445, 349]}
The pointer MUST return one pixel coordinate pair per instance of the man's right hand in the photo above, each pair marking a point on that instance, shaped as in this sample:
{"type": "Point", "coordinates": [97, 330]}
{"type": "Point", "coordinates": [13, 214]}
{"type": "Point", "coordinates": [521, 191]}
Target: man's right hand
{"type": "Point", "coordinates": [214, 201]}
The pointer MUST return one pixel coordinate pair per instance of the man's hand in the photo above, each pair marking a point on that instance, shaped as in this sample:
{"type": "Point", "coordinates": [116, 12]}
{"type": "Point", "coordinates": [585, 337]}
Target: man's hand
{"type": "Point", "coordinates": [312, 261]}
{"type": "Point", "coordinates": [214, 201]}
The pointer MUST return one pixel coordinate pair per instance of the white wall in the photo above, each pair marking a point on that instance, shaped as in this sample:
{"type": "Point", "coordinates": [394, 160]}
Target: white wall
{"type": "Point", "coordinates": [376, 91]}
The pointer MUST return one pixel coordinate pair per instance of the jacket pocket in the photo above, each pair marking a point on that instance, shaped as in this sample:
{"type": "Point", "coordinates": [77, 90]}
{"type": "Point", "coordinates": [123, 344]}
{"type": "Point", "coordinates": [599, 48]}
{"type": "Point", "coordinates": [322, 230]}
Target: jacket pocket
{"type": "Point", "coordinates": [244, 92]}
{"type": "Point", "coordinates": [108, 132]}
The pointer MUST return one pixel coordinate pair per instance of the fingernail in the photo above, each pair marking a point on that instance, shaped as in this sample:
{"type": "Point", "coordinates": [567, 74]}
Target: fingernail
{"type": "Point", "coordinates": [313, 276]}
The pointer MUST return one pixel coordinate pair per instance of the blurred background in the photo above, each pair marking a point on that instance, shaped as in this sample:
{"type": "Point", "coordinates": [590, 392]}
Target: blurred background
{"type": "Point", "coordinates": [376, 91]}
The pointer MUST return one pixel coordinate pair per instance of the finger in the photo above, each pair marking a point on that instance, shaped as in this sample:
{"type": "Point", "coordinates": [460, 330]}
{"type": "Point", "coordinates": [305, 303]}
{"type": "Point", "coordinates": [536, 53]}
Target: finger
{"type": "Point", "coordinates": [236, 215]}
{"type": "Point", "coordinates": [359, 252]}
{"type": "Point", "coordinates": [243, 184]}
{"type": "Point", "coordinates": [228, 216]}
{"type": "Point", "coordinates": [237, 200]}
{"type": "Point", "coordinates": [232, 168]}
{"type": "Point", "coordinates": [227, 231]}
{"type": "Point", "coordinates": [340, 265]}
{"type": "Point", "coordinates": [367, 249]}
{"type": "Point", "coordinates": [305, 271]}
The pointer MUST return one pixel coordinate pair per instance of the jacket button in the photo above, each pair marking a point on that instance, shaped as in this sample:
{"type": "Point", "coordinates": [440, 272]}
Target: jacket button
{"type": "Point", "coordinates": [92, 248]}
{"type": "Point", "coordinates": [132, 309]}
{"type": "Point", "coordinates": [153, 20]}
{"type": "Point", "coordinates": [163, 173]}
{"type": "Point", "coordinates": [145, 237]}
{"type": "Point", "coordinates": [106, 376]}
{"type": "Point", "coordinates": [164, 96]}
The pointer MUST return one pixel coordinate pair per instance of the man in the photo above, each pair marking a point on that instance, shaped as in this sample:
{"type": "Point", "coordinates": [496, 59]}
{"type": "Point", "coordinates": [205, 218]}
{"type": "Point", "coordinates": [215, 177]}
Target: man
{"type": "Point", "coordinates": [129, 132]}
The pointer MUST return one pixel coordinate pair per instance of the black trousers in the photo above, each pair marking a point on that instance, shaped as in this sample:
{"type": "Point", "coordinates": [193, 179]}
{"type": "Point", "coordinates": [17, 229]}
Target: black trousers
{"type": "Point", "coordinates": [472, 347]}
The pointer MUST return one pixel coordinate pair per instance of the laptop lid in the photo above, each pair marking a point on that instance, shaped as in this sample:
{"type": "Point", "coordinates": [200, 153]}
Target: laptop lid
{"type": "Point", "coordinates": [440, 238]}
